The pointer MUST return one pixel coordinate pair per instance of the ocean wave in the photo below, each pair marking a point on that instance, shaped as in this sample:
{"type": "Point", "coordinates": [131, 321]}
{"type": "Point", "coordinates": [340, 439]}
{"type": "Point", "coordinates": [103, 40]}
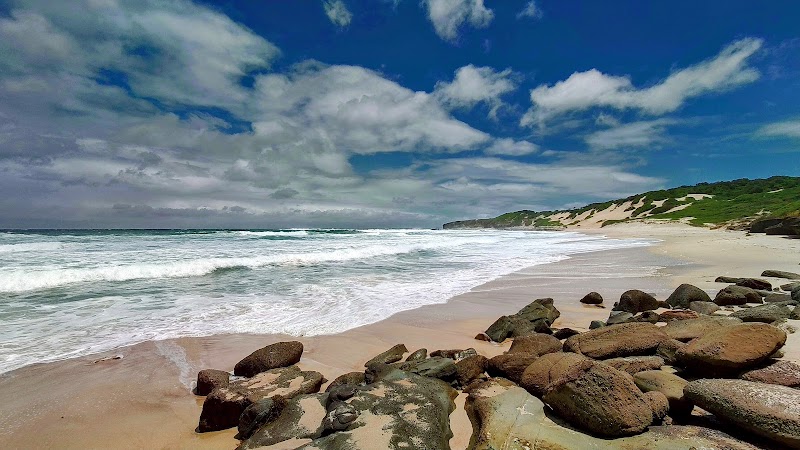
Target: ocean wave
{"type": "Point", "coordinates": [30, 247]}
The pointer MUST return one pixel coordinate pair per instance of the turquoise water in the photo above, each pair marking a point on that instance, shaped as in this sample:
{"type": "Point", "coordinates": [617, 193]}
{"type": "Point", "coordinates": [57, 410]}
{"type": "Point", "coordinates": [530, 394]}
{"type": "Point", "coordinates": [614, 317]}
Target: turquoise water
{"type": "Point", "coordinates": [71, 293]}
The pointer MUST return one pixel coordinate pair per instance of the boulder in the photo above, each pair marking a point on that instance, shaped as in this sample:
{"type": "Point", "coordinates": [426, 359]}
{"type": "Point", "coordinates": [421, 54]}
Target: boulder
{"type": "Point", "coordinates": [504, 416]}
{"type": "Point", "coordinates": [724, 279]}
{"type": "Point", "coordinates": [592, 298]}
{"type": "Point", "coordinates": [647, 316]}
{"type": "Point", "coordinates": [761, 225]}
{"type": "Point", "coordinates": [550, 369]}
{"type": "Point", "coordinates": [434, 367]}
{"type": "Point", "coordinates": [394, 354]}
{"type": "Point", "coordinates": [418, 355]}
{"type": "Point", "coordinates": [617, 317]}
{"type": "Point", "coordinates": [351, 378]}
{"type": "Point", "coordinates": [510, 365]}
{"type": "Point", "coordinates": [668, 384]}
{"type": "Point", "coordinates": [704, 307]}
{"type": "Point", "coordinates": [796, 293]}
{"type": "Point", "coordinates": [766, 313]}
{"type": "Point", "coordinates": [789, 226]}
{"type": "Point", "coordinates": [686, 294]}
{"type": "Point", "coordinates": [686, 330]}
{"type": "Point", "coordinates": [210, 379]}
{"type": "Point", "coordinates": [483, 337]}
{"type": "Point", "coordinates": [298, 418]}
{"type": "Point", "coordinates": [627, 339]}
{"type": "Point", "coordinates": [541, 309]}
{"type": "Point", "coordinates": [535, 344]}
{"type": "Point", "coordinates": [512, 326]}
{"type": "Point", "coordinates": [470, 369]}
{"type": "Point", "coordinates": [789, 287]}
{"type": "Point", "coordinates": [222, 408]}
{"type": "Point", "coordinates": [777, 298]}
{"type": "Point", "coordinates": [781, 274]}
{"type": "Point", "coordinates": [258, 414]}
{"type": "Point", "coordinates": [784, 373]}
{"type": "Point", "coordinates": [635, 364]}
{"type": "Point", "coordinates": [731, 349]}
{"type": "Point", "coordinates": [754, 283]}
{"type": "Point", "coordinates": [796, 313]}
{"type": "Point", "coordinates": [635, 301]}
{"type": "Point", "coordinates": [677, 314]}
{"type": "Point", "coordinates": [658, 404]}
{"type": "Point", "coordinates": [564, 333]}
{"type": "Point", "coordinates": [667, 349]}
{"type": "Point", "coordinates": [280, 354]}
{"type": "Point", "coordinates": [767, 410]}
{"type": "Point", "coordinates": [736, 295]}
{"type": "Point", "coordinates": [455, 355]}
{"type": "Point", "coordinates": [597, 324]}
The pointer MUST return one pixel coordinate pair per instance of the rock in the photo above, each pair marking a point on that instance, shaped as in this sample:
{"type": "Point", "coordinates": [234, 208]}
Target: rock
{"type": "Point", "coordinates": [667, 349]}
{"type": "Point", "coordinates": [510, 365]}
{"type": "Point", "coordinates": [617, 317]}
{"type": "Point", "coordinates": [767, 410]}
{"type": "Point", "coordinates": [418, 355]}
{"type": "Point", "coordinates": [647, 316]}
{"type": "Point", "coordinates": [394, 354]}
{"type": "Point", "coordinates": [551, 368]}
{"type": "Point", "coordinates": [755, 283]}
{"type": "Point", "coordinates": [761, 225]}
{"type": "Point", "coordinates": [222, 408]}
{"type": "Point", "coordinates": [658, 404]}
{"type": "Point", "coordinates": [592, 298]}
{"type": "Point", "coordinates": [784, 373]}
{"type": "Point", "coordinates": [258, 414]}
{"type": "Point", "coordinates": [736, 295]}
{"type": "Point", "coordinates": [668, 384]}
{"type": "Point", "coordinates": [510, 326]}
{"type": "Point", "coordinates": [483, 337]}
{"type": "Point", "coordinates": [686, 330]}
{"type": "Point", "coordinates": [536, 344]}
{"type": "Point", "coordinates": [796, 294]}
{"type": "Point", "coordinates": [795, 313]}
{"type": "Point", "coordinates": [723, 279]}
{"type": "Point", "coordinates": [534, 318]}
{"type": "Point", "coordinates": [789, 287]}
{"type": "Point", "coordinates": [597, 324]}
{"type": "Point", "coordinates": [686, 294]}
{"type": "Point", "coordinates": [400, 410]}
{"type": "Point", "coordinates": [781, 274]}
{"type": "Point", "coordinates": [541, 309]}
{"type": "Point", "coordinates": [210, 379]}
{"type": "Point", "coordinates": [339, 417]}
{"type": "Point", "coordinates": [504, 416]}
{"type": "Point", "coordinates": [298, 418]}
{"type": "Point", "coordinates": [678, 314]}
{"type": "Point", "coordinates": [456, 355]}
{"type": "Point", "coordinates": [731, 349]}
{"type": "Point", "coordinates": [627, 339]}
{"type": "Point", "coordinates": [789, 226]}
{"type": "Point", "coordinates": [564, 333]}
{"type": "Point", "coordinates": [785, 325]}
{"type": "Point", "coordinates": [470, 368]}
{"type": "Point", "coordinates": [280, 354]}
{"type": "Point", "coordinates": [704, 307]}
{"type": "Point", "coordinates": [635, 301]}
{"type": "Point", "coordinates": [351, 378]}
{"type": "Point", "coordinates": [635, 364]}
{"type": "Point", "coordinates": [777, 298]}
{"type": "Point", "coordinates": [767, 313]}
{"type": "Point", "coordinates": [434, 367]}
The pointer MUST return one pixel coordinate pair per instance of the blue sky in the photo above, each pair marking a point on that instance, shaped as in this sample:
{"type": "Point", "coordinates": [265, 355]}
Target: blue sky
{"type": "Point", "coordinates": [348, 113]}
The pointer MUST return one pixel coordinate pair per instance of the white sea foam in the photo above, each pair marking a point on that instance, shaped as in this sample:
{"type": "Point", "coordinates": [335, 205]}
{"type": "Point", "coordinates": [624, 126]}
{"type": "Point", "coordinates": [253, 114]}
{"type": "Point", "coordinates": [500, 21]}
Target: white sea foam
{"type": "Point", "coordinates": [30, 247]}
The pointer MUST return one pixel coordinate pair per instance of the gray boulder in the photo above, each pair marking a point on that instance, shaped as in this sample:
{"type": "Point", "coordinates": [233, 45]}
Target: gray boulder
{"type": "Point", "coordinates": [685, 294]}
{"type": "Point", "coordinates": [533, 318]}
{"type": "Point", "coordinates": [755, 283]}
{"type": "Point", "coordinates": [635, 301]}
{"type": "Point", "coordinates": [280, 354]}
{"type": "Point", "coordinates": [394, 354]}
{"type": "Point", "coordinates": [298, 418]}
{"type": "Point", "coordinates": [777, 298]}
{"type": "Point", "coordinates": [707, 308]}
{"type": "Point", "coordinates": [766, 313]}
{"type": "Point", "coordinates": [592, 298]}
{"type": "Point", "coordinates": [434, 367]}
{"type": "Point", "coordinates": [616, 317]}
{"type": "Point", "coordinates": [597, 324]}
{"type": "Point", "coordinates": [350, 378]}
{"type": "Point", "coordinates": [736, 295]}
{"type": "Point", "coordinates": [781, 274]}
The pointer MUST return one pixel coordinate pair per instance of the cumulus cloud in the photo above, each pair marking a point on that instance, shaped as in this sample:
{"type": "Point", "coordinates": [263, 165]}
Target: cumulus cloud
{"type": "Point", "coordinates": [473, 85]}
{"type": "Point", "coordinates": [448, 16]}
{"type": "Point", "coordinates": [592, 88]}
{"type": "Point", "coordinates": [787, 128]}
{"type": "Point", "coordinates": [337, 12]}
{"type": "Point", "coordinates": [531, 10]}
{"type": "Point", "coordinates": [630, 135]}
{"type": "Point", "coordinates": [511, 147]}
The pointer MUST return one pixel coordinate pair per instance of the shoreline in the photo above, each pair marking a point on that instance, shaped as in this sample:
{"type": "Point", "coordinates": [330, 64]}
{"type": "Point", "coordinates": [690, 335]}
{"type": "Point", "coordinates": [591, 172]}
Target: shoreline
{"type": "Point", "coordinates": [144, 399]}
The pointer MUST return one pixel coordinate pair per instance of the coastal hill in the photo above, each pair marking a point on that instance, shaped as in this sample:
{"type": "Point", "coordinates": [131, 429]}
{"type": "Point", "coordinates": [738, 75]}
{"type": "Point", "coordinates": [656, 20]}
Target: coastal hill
{"type": "Point", "coordinates": [729, 204]}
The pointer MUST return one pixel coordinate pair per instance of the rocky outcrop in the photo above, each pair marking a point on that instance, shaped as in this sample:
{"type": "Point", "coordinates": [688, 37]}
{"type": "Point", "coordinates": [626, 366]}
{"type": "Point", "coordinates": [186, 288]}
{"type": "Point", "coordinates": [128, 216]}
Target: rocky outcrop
{"type": "Point", "coordinates": [761, 225]}
{"type": "Point", "coordinates": [668, 384]}
{"type": "Point", "coordinates": [766, 313]}
{"type": "Point", "coordinates": [685, 294]}
{"type": "Point", "coordinates": [731, 349]}
{"type": "Point", "coordinates": [635, 364]}
{"type": "Point", "coordinates": [781, 274]}
{"type": "Point", "coordinates": [592, 298]}
{"type": "Point", "coordinates": [754, 283]}
{"type": "Point", "coordinates": [736, 295]}
{"type": "Point", "coordinates": [635, 301]}
{"type": "Point", "coordinates": [788, 226]}
{"type": "Point", "coordinates": [434, 367]}
{"type": "Point", "coordinates": [784, 373]}
{"type": "Point", "coordinates": [534, 318]}
{"type": "Point", "coordinates": [535, 344]}
{"type": "Point", "coordinates": [767, 410]}
{"type": "Point", "coordinates": [686, 330]}
{"type": "Point", "coordinates": [210, 379]}
{"type": "Point", "coordinates": [280, 354]}
{"type": "Point", "coordinates": [627, 339]}
{"type": "Point", "coordinates": [549, 369]}
{"type": "Point", "coordinates": [510, 365]}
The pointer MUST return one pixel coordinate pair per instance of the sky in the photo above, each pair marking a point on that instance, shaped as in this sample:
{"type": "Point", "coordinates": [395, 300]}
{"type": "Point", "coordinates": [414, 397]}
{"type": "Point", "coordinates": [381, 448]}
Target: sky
{"type": "Point", "coordinates": [381, 113]}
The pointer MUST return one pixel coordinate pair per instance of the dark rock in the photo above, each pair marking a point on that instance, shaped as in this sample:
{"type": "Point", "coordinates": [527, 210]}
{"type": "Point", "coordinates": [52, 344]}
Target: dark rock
{"type": "Point", "coordinates": [635, 364]}
{"type": "Point", "coordinates": [258, 414]}
{"type": "Point", "coordinates": [755, 283]}
{"type": "Point", "coordinates": [483, 337]}
{"type": "Point", "coordinates": [768, 410]}
{"type": "Point", "coordinates": [784, 373]}
{"type": "Point", "coordinates": [796, 294]}
{"type": "Point", "coordinates": [298, 418]}
{"type": "Point", "coordinates": [351, 378]}
{"type": "Point", "coordinates": [731, 349]}
{"type": "Point", "coordinates": [686, 330]}
{"type": "Point", "coordinates": [659, 404]}
{"type": "Point", "coordinates": [597, 324]}
{"type": "Point", "coordinates": [668, 384]}
{"type": "Point", "coordinates": [723, 279]}
{"type": "Point", "coordinates": [647, 316]}
{"type": "Point", "coordinates": [456, 355]}
{"type": "Point", "coordinates": [667, 349]}
{"type": "Point", "coordinates": [534, 318]}
{"type": "Point", "coordinates": [394, 354]}
{"type": "Point", "coordinates": [342, 392]}
{"type": "Point", "coordinates": [592, 298]}
{"type": "Point", "coordinates": [795, 313]}
{"type": "Point", "coordinates": [280, 354]}
{"type": "Point", "coordinates": [678, 314]}
{"type": "Point", "coordinates": [222, 408]}
{"type": "Point", "coordinates": [767, 313]}
{"type": "Point", "coordinates": [339, 417]}
{"type": "Point", "coordinates": [789, 287]}
{"type": "Point", "coordinates": [564, 333]}
{"type": "Point", "coordinates": [635, 301]}
{"type": "Point", "coordinates": [470, 368]}
{"type": "Point", "coordinates": [686, 294]}
{"type": "Point", "coordinates": [433, 367]}
{"type": "Point", "coordinates": [761, 225]}
{"type": "Point", "coordinates": [627, 339]}
{"type": "Point", "coordinates": [781, 274]}
{"type": "Point", "coordinates": [536, 344]}
{"type": "Point", "coordinates": [707, 308]}
{"type": "Point", "coordinates": [418, 355]}
{"type": "Point", "coordinates": [550, 369]}
{"type": "Point", "coordinates": [509, 326]}
{"type": "Point", "coordinates": [736, 295]}
{"type": "Point", "coordinates": [777, 298]}
{"type": "Point", "coordinates": [789, 226]}
{"type": "Point", "coordinates": [210, 379]}
{"type": "Point", "coordinates": [617, 317]}
{"type": "Point", "coordinates": [510, 365]}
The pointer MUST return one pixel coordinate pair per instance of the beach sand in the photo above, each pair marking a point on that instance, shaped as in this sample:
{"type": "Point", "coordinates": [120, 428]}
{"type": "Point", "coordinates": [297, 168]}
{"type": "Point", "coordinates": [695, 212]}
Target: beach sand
{"type": "Point", "coordinates": [144, 399]}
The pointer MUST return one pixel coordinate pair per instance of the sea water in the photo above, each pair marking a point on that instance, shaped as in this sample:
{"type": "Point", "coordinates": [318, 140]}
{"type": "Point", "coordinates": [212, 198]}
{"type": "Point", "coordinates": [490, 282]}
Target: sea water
{"type": "Point", "coordinates": [68, 293]}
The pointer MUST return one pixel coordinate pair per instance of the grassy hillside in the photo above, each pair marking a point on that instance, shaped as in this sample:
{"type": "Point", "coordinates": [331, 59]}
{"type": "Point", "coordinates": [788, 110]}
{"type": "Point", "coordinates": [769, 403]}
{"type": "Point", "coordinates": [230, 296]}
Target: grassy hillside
{"type": "Point", "coordinates": [729, 203]}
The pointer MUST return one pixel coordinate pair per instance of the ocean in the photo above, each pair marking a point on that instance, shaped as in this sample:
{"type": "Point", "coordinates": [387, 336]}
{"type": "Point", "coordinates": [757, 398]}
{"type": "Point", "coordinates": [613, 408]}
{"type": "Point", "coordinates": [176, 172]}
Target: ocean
{"type": "Point", "coordinates": [68, 293]}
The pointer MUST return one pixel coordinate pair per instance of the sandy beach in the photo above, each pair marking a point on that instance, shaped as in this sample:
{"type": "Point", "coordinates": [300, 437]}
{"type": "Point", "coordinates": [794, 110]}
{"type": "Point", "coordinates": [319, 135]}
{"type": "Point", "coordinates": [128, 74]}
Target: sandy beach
{"type": "Point", "coordinates": [144, 399]}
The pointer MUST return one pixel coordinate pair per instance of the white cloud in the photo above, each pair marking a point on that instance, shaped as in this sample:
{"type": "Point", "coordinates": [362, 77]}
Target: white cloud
{"type": "Point", "coordinates": [630, 135]}
{"type": "Point", "coordinates": [510, 147]}
{"type": "Point", "coordinates": [787, 128]}
{"type": "Point", "coordinates": [337, 12]}
{"type": "Point", "coordinates": [592, 88]}
{"type": "Point", "coordinates": [530, 10]}
{"type": "Point", "coordinates": [473, 85]}
{"type": "Point", "coordinates": [448, 16]}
